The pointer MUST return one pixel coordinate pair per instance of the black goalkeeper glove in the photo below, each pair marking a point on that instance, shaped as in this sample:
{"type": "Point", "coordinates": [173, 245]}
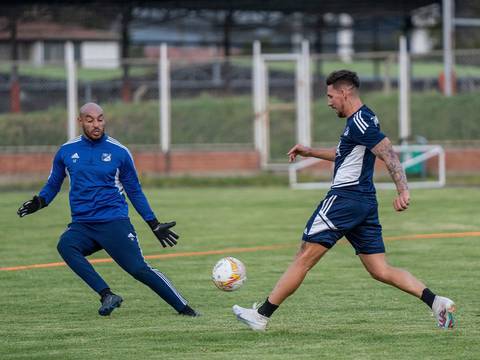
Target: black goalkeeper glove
{"type": "Point", "coordinates": [30, 206]}
{"type": "Point", "coordinates": [163, 233]}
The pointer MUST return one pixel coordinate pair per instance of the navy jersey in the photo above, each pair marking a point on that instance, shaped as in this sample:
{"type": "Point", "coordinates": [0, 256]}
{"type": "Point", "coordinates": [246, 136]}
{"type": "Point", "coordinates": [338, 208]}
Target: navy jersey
{"type": "Point", "coordinates": [354, 161]}
{"type": "Point", "coordinates": [100, 172]}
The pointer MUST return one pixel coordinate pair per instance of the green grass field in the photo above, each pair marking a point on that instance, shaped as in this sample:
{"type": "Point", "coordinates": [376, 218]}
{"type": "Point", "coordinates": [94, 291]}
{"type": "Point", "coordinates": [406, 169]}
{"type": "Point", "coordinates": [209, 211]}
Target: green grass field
{"type": "Point", "coordinates": [338, 313]}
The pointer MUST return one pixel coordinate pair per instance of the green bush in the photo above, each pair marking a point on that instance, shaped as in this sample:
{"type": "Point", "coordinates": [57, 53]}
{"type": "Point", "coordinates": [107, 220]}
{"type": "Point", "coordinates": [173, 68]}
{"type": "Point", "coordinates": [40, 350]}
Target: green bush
{"type": "Point", "coordinates": [207, 119]}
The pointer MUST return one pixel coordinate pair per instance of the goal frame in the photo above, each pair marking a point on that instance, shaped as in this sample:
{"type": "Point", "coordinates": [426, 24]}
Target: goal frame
{"type": "Point", "coordinates": [426, 152]}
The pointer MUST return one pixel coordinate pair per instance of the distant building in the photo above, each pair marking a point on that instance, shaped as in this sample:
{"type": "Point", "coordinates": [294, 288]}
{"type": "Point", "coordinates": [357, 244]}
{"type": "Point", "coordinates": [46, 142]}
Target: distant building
{"type": "Point", "coordinates": [44, 42]}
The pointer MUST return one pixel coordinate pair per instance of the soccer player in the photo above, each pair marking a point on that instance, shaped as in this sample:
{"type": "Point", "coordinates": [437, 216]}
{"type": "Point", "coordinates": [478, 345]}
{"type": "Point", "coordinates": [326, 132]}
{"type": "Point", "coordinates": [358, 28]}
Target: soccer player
{"type": "Point", "coordinates": [101, 171]}
{"type": "Point", "coordinates": [350, 208]}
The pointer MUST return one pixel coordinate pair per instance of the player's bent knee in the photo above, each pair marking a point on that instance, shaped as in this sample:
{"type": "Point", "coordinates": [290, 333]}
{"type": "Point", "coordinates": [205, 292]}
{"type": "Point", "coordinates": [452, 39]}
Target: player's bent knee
{"type": "Point", "coordinates": [380, 274]}
{"type": "Point", "coordinates": [64, 248]}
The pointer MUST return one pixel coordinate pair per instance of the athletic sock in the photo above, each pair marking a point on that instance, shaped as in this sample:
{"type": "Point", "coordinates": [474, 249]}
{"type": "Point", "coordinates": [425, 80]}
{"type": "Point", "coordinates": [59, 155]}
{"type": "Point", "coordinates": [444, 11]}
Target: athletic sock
{"type": "Point", "coordinates": [188, 311]}
{"type": "Point", "coordinates": [428, 297]}
{"type": "Point", "coordinates": [105, 292]}
{"type": "Point", "coordinates": [267, 308]}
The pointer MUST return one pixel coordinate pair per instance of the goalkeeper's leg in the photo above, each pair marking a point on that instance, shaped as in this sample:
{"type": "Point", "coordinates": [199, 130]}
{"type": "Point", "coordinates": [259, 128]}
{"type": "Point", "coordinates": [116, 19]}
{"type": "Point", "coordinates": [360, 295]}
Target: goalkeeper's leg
{"type": "Point", "coordinates": [74, 246]}
{"type": "Point", "coordinates": [119, 240]}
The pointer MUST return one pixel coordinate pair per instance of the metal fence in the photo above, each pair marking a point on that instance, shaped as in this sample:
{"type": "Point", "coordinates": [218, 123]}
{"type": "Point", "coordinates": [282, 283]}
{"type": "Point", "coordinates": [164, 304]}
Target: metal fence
{"type": "Point", "coordinates": [211, 98]}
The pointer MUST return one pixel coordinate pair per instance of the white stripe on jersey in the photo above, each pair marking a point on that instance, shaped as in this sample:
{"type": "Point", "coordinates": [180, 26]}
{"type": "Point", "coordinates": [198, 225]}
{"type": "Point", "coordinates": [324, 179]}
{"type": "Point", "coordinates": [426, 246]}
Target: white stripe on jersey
{"type": "Point", "coordinates": [351, 169]}
{"type": "Point", "coordinates": [361, 119]}
{"type": "Point", "coordinates": [358, 125]}
{"type": "Point", "coordinates": [118, 184]}
{"type": "Point", "coordinates": [116, 142]}
{"type": "Point", "coordinates": [74, 140]}
{"type": "Point", "coordinates": [361, 124]}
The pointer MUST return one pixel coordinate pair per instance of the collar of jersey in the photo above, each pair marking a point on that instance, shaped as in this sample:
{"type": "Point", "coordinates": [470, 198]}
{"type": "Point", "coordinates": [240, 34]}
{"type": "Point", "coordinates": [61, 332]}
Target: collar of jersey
{"type": "Point", "coordinates": [94, 142]}
{"type": "Point", "coordinates": [360, 108]}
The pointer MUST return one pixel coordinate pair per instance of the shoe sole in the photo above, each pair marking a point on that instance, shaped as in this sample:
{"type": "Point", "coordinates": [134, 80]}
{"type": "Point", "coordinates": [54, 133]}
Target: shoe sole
{"type": "Point", "coordinates": [248, 323]}
{"type": "Point", "coordinates": [108, 310]}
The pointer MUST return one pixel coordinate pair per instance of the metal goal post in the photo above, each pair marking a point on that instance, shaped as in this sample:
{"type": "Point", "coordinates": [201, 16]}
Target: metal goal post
{"type": "Point", "coordinates": [411, 156]}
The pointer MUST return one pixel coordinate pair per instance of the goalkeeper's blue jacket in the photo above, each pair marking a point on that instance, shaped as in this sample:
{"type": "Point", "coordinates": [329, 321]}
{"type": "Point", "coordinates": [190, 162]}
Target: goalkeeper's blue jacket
{"type": "Point", "coordinates": [100, 173]}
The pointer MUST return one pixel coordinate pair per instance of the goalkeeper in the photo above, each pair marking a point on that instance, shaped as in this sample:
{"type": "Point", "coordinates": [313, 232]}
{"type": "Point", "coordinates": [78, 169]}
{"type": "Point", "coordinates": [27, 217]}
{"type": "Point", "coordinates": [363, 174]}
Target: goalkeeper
{"type": "Point", "coordinates": [101, 171]}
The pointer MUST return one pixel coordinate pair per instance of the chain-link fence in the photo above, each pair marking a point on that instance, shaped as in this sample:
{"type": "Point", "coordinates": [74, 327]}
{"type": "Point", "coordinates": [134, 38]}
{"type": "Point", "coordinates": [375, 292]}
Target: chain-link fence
{"type": "Point", "coordinates": [212, 106]}
{"type": "Point", "coordinates": [434, 118]}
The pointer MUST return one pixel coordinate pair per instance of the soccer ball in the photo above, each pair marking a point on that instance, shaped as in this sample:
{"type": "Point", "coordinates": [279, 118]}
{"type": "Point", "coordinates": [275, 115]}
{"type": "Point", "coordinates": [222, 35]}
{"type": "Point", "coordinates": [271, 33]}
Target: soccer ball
{"type": "Point", "coordinates": [229, 274]}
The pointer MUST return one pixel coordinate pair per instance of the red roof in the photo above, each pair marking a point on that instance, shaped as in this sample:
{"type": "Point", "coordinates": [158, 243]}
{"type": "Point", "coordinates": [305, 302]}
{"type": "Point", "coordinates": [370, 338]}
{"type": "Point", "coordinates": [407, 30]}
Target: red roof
{"type": "Point", "coordinates": [42, 30]}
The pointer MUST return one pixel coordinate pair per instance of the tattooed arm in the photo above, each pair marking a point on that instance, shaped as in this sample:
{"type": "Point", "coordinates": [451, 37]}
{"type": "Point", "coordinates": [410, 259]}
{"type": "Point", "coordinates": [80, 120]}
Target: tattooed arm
{"type": "Point", "coordinates": [384, 151]}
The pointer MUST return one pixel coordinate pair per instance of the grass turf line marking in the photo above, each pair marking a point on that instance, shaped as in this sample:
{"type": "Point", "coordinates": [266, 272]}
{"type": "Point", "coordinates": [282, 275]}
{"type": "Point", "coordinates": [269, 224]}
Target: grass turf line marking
{"type": "Point", "coordinates": [159, 256]}
{"type": "Point", "coordinates": [242, 250]}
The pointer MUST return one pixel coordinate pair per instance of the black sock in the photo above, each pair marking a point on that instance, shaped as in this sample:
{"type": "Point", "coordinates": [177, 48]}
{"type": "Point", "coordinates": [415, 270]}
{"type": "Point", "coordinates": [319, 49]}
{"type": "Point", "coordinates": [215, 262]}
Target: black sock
{"type": "Point", "coordinates": [428, 297]}
{"type": "Point", "coordinates": [105, 292]}
{"type": "Point", "coordinates": [267, 308]}
{"type": "Point", "coordinates": [187, 310]}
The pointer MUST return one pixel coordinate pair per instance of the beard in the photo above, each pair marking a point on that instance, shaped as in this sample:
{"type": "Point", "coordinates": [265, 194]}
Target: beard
{"type": "Point", "coordinates": [94, 134]}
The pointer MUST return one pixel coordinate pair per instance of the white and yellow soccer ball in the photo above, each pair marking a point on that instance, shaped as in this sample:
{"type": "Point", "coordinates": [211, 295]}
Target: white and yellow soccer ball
{"type": "Point", "coordinates": [229, 274]}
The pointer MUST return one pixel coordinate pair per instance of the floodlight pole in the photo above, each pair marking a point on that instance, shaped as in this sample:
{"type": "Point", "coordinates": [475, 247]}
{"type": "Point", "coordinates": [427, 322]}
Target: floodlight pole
{"type": "Point", "coordinates": [404, 88]}
{"type": "Point", "coordinates": [164, 98]}
{"type": "Point", "coordinates": [72, 94]}
{"type": "Point", "coordinates": [447, 13]}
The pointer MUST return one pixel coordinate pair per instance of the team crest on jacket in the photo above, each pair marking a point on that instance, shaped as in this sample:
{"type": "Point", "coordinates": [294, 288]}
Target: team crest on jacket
{"type": "Point", "coordinates": [106, 157]}
{"type": "Point", "coordinates": [347, 131]}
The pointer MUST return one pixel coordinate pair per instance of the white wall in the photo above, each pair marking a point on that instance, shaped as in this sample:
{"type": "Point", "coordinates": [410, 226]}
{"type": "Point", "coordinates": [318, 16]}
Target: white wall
{"type": "Point", "coordinates": [100, 54]}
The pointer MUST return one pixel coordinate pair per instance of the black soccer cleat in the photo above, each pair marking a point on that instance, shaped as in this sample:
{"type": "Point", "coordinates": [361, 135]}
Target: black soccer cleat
{"type": "Point", "coordinates": [109, 303]}
{"type": "Point", "coordinates": [188, 311]}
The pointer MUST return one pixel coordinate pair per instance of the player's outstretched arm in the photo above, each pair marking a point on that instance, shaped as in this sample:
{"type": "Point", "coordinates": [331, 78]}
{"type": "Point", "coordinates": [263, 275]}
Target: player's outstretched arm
{"type": "Point", "coordinates": [30, 206]}
{"type": "Point", "coordinates": [305, 151]}
{"type": "Point", "coordinates": [384, 151]}
{"type": "Point", "coordinates": [131, 184]}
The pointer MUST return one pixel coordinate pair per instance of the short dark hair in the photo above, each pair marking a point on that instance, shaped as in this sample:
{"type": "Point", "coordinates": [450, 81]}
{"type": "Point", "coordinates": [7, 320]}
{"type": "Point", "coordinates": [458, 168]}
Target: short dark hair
{"type": "Point", "coordinates": [343, 77]}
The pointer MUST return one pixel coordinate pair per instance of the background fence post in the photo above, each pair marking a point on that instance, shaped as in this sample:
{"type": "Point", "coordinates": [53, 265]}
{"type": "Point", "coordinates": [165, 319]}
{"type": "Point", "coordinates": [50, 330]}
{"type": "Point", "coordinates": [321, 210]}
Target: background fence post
{"type": "Point", "coordinates": [72, 91]}
{"type": "Point", "coordinates": [404, 91]}
{"type": "Point", "coordinates": [164, 103]}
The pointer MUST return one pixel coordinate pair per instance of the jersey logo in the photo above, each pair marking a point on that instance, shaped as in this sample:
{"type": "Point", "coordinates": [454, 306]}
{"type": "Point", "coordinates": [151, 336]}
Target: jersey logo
{"type": "Point", "coordinates": [347, 131]}
{"type": "Point", "coordinates": [75, 157]}
{"type": "Point", "coordinates": [375, 121]}
{"type": "Point", "coordinates": [106, 157]}
{"type": "Point", "coordinates": [132, 237]}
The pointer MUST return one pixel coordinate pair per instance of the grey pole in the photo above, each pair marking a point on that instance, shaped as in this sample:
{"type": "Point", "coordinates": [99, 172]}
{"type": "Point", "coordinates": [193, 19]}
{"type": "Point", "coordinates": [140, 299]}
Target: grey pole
{"type": "Point", "coordinates": [404, 91]}
{"type": "Point", "coordinates": [448, 10]}
{"type": "Point", "coordinates": [72, 95]}
{"type": "Point", "coordinates": [164, 99]}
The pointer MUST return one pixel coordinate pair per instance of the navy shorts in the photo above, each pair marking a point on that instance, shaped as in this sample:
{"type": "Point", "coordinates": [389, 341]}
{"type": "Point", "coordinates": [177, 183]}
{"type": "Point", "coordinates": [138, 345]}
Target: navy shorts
{"type": "Point", "coordinates": [338, 216]}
